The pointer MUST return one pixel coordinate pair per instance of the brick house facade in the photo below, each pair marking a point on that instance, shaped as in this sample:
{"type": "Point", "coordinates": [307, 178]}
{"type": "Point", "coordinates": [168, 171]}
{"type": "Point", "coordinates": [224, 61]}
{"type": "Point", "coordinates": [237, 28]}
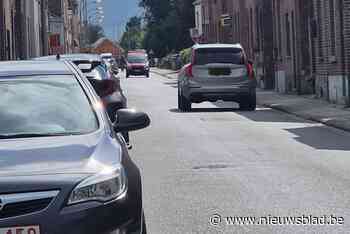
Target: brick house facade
{"type": "Point", "coordinates": [298, 46]}
{"type": "Point", "coordinates": [331, 49]}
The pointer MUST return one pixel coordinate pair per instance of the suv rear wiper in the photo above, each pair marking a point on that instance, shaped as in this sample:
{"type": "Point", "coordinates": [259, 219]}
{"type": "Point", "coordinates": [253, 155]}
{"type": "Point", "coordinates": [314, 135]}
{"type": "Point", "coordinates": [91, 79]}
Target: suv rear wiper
{"type": "Point", "coordinates": [32, 135]}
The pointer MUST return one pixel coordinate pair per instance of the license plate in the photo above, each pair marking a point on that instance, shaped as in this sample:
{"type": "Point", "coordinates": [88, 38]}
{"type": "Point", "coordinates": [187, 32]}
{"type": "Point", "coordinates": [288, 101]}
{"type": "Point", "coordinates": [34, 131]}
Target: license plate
{"type": "Point", "coordinates": [219, 71]}
{"type": "Point", "coordinates": [21, 230]}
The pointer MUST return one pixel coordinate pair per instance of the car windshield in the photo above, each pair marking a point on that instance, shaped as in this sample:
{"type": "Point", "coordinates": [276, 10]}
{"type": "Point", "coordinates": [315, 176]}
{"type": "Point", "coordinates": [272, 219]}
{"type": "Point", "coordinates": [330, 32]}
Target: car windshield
{"type": "Point", "coordinates": [218, 55]}
{"type": "Point", "coordinates": [45, 105]}
{"type": "Point", "coordinates": [136, 59]}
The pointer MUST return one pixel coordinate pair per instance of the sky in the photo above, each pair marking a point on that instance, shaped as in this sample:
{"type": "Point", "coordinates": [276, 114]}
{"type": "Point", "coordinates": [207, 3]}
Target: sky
{"type": "Point", "coordinates": [117, 13]}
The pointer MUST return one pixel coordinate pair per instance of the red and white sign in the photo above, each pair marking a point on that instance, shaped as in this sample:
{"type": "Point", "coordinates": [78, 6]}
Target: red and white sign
{"type": "Point", "coordinates": [21, 230]}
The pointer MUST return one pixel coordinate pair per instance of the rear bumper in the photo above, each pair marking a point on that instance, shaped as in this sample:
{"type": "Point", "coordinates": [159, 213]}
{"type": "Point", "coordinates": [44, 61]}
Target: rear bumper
{"type": "Point", "coordinates": [141, 71]}
{"type": "Point", "coordinates": [236, 94]}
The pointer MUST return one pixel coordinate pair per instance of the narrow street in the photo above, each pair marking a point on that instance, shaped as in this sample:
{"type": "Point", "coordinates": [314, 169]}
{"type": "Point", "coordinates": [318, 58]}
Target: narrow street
{"type": "Point", "coordinates": [218, 160]}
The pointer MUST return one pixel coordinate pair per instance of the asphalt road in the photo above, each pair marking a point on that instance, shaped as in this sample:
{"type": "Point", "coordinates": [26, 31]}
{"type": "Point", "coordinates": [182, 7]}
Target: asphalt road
{"type": "Point", "coordinates": [218, 160]}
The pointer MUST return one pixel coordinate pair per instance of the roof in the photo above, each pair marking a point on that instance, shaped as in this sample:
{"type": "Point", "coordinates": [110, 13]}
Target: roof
{"type": "Point", "coordinates": [99, 42]}
{"type": "Point", "coordinates": [217, 45]}
{"type": "Point", "coordinates": [103, 39]}
{"type": "Point", "coordinates": [72, 57]}
{"type": "Point", "coordinates": [23, 68]}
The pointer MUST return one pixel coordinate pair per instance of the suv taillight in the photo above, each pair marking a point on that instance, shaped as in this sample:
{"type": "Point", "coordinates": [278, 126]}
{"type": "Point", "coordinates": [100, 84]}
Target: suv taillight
{"type": "Point", "coordinates": [189, 70]}
{"type": "Point", "coordinates": [250, 71]}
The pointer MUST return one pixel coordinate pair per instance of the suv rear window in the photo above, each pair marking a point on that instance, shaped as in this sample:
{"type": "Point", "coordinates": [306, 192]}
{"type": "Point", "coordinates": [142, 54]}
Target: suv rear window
{"type": "Point", "coordinates": [218, 55]}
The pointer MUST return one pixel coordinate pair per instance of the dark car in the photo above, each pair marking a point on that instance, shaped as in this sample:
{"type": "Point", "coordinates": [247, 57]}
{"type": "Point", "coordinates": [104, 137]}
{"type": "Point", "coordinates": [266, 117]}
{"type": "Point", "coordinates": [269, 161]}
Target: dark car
{"type": "Point", "coordinates": [64, 166]}
{"type": "Point", "coordinates": [137, 64]}
{"type": "Point", "coordinates": [105, 83]}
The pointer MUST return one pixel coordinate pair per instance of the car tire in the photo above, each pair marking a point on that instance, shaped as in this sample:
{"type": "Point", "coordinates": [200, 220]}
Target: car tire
{"type": "Point", "coordinates": [249, 103]}
{"type": "Point", "coordinates": [127, 74]}
{"type": "Point", "coordinates": [144, 226]}
{"type": "Point", "coordinates": [186, 104]}
{"type": "Point", "coordinates": [179, 100]}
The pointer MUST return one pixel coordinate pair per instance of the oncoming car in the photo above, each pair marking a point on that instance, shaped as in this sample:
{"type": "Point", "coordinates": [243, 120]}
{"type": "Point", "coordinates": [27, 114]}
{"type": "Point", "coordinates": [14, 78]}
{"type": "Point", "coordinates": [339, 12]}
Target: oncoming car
{"type": "Point", "coordinates": [217, 72]}
{"type": "Point", "coordinates": [137, 64]}
{"type": "Point", "coordinates": [64, 166]}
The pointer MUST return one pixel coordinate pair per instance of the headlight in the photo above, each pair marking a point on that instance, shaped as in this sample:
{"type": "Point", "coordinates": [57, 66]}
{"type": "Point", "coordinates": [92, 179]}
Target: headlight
{"type": "Point", "coordinates": [103, 187]}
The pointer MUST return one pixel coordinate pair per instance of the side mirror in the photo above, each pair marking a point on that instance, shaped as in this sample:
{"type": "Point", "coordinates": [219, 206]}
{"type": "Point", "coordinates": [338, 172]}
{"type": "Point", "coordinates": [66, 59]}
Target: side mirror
{"type": "Point", "coordinates": [130, 120]}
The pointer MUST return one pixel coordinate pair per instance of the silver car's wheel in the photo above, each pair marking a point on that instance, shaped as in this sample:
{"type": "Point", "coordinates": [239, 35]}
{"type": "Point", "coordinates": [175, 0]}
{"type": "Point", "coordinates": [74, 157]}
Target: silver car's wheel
{"type": "Point", "coordinates": [249, 103]}
{"type": "Point", "coordinates": [179, 100]}
{"type": "Point", "coordinates": [144, 227]}
{"type": "Point", "coordinates": [186, 104]}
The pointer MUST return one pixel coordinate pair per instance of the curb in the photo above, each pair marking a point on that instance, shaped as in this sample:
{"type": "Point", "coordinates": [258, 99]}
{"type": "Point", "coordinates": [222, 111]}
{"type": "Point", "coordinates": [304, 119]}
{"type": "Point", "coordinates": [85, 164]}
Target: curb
{"type": "Point", "coordinates": [306, 117]}
{"type": "Point", "coordinates": [165, 75]}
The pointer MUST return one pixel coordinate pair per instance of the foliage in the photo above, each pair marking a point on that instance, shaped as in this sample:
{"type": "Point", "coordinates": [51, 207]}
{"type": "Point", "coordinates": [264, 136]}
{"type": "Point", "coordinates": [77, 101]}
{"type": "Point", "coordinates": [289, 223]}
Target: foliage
{"type": "Point", "coordinates": [167, 25]}
{"type": "Point", "coordinates": [185, 55]}
{"type": "Point", "coordinates": [133, 36]}
{"type": "Point", "coordinates": [94, 32]}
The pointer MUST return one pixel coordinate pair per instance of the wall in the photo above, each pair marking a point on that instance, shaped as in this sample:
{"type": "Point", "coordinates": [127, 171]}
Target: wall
{"type": "Point", "coordinates": [298, 46]}
{"type": "Point", "coordinates": [199, 16]}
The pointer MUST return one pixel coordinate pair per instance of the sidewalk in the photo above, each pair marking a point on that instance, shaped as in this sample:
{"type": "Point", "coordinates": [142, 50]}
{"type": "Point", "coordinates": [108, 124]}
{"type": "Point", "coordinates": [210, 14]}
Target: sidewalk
{"type": "Point", "coordinates": [305, 107]}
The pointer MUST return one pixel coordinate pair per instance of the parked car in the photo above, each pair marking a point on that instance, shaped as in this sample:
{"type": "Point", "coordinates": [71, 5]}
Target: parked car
{"type": "Point", "coordinates": [114, 66]}
{"type": "Point", "coordinates": [105, 83]}
{"type": "Point", "coordinates": [110, 62]}
{"type": "Point", "coordinates": [64, 167]}
{"type": "Point", "coordinates": [106, 56]}
{"type": "Point", "coordinates": [137, 64]}
{"type": "Point", "coordinates": [217, 72]}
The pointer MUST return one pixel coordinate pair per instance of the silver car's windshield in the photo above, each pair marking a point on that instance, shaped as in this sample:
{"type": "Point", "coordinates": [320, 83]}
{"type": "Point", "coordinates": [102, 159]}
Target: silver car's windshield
{"type": "Point", "coordinates": [44, 105]}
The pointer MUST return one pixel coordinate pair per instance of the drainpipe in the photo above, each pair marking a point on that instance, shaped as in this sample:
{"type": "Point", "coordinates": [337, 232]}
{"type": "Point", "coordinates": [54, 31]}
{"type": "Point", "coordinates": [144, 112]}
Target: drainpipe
{"type": "Point", "coordinates": [2, 39]}
{"type": "Point", "coordinates": [343, 59]}
{"type": "Point", "coordinates": [341, 16]}
{"type": "Point", "coordinates": [268, 44]}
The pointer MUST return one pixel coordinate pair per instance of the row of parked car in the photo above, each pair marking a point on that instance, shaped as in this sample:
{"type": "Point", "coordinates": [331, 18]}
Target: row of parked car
{"type": "Point", "coordinates": [65, 165]}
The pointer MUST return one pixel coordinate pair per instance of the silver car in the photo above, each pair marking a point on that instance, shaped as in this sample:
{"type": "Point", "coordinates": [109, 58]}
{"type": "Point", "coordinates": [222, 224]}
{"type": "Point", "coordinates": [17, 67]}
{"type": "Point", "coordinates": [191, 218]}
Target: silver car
{"type": "Point", "coordinates": [217, 72]}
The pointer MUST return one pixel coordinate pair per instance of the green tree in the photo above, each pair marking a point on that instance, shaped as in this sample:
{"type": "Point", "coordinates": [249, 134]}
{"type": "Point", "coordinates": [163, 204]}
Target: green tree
{"type": "Point", "coordinates": [167, 25]}
{"type": "Point", "coordinates": [133, 36]}
{"type": "Point", "coordinates": [94, 32]}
